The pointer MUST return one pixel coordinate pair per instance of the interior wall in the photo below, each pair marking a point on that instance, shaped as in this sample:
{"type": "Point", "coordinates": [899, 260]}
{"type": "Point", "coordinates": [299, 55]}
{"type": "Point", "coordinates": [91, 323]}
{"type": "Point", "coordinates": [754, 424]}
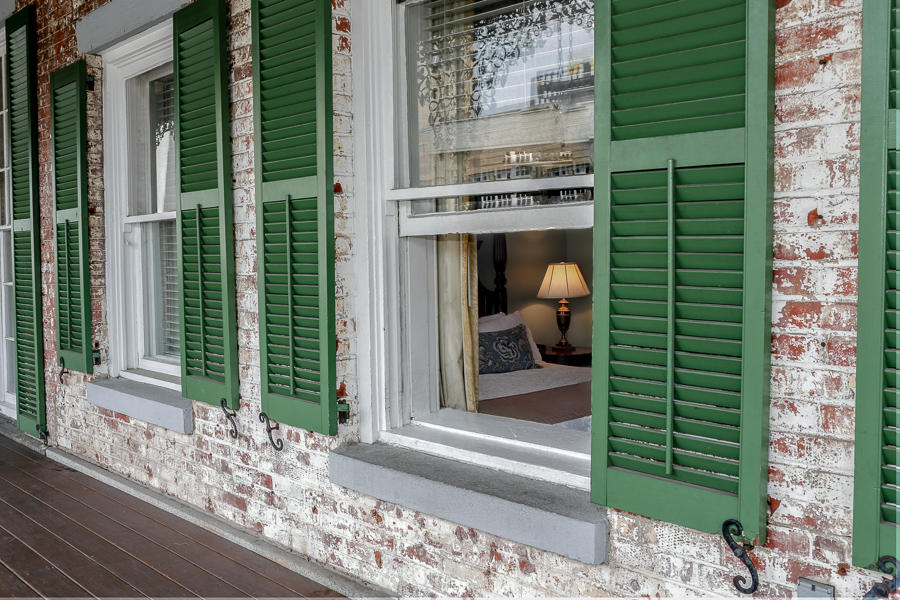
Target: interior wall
{"type": "Point", "coordinates": [529, 253]}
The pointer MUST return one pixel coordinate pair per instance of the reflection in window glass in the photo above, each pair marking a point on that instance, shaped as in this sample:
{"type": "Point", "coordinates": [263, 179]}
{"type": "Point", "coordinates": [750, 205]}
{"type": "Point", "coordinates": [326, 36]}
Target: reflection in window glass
{"type": "Point", "coordinates": [151, 143]}
{"type": "Point", "coordinates": [513, 200]}
{"type": "Point", "coordinates": [162, 156]}
{"type": "Point", "coordinates": [500, 89]}
{"type": "Point", "coordinates": [152, 203]}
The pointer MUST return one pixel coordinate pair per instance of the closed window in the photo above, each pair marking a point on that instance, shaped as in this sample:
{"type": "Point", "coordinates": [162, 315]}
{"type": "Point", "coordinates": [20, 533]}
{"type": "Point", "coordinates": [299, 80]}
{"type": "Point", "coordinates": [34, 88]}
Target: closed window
{"type": "Point", "coordinates": [7, 309]}
{"type": "Point", "coordinates": [141, 209]}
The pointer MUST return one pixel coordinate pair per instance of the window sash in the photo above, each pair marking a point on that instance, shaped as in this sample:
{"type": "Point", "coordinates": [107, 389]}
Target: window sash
{"type": "Point", "coordinates": [148, 52]}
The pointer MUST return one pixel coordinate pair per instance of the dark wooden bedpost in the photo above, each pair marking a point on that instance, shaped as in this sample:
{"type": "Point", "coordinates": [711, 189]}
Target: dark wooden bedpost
{"type": "Point", "coordinates": [500, 296]}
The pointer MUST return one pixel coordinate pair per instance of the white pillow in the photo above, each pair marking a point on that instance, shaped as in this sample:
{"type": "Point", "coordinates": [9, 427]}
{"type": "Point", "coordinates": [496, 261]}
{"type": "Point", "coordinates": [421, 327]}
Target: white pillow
{"type": "Point", "coordinates": [490, 318]}
{"type": "Point", "coordinates": [499, 323]}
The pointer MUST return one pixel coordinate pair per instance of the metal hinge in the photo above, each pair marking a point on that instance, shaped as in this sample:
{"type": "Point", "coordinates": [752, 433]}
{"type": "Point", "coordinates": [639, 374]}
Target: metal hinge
{"type": "Point", "coordinates": [343, 411]}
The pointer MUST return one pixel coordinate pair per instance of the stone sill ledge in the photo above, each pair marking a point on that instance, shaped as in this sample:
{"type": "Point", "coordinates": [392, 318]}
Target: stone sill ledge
{"type": "Point", "coordinates": [531, 512]}
{"type": "Point", "coordinates": [143, 401]}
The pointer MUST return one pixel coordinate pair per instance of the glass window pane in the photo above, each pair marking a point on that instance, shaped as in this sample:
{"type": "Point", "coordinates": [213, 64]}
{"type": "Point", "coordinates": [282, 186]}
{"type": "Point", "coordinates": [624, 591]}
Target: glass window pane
{"type": "Point", "coordinates": [10, 367]}
{"type": "Point", "coordinates": [4, 209]}
{"type": "Point", "coordinates": [428, 206]}
{"type": "Point", "coordinates": [3, 95]}
{"type": "Point", "coordinates": [170, 340]}
{"type": "Point", "coordinates": [500, 89]}
{"type": "Point", "coordinates": [162, 155]}
{"type": "Point", "coordinates": [3, 163]}
{"type": "Point", "coordinates": [151, 147]}
{"type": "Point", "coordinates": [6, 255]}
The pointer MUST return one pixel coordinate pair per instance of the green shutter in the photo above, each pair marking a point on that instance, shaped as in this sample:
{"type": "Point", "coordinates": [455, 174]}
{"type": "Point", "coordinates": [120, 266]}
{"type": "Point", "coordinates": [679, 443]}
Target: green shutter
{"type": "Point", "coordinates": [684, 186]}
{"type": "Point", "coordinates": [295, 210]}
{"type": "Point", "coordinates": [205, 212]}
{"type": "Point", "coordinates": [21, 52]}
{"type": "Point", "coordinates": [876, 517]}
{"type": "Point", "coordinates": [68, 108]}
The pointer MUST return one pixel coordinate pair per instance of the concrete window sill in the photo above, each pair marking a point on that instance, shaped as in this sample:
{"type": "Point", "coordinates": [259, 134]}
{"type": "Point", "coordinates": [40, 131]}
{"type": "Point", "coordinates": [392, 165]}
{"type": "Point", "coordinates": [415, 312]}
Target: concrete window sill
{"type": "Point", "coordinates": [143, 401]}
{"type": "Point", "coordinates": [535, 513]}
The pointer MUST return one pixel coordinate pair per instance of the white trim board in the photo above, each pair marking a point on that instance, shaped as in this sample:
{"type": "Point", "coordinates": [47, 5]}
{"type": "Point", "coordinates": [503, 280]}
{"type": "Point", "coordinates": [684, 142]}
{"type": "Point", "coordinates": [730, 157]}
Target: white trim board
{"type": "Point", "coordinates": [119, 20]}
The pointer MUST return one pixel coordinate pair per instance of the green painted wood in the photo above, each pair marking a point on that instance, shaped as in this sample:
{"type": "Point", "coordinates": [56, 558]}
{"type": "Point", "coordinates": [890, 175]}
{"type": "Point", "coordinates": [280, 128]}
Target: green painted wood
{"type": "Point", "coordinates": [295, 211]}
{"type": "Point", "coordinates": [21, 52]}
{"type": "Point", "coordinates": [679, 68]}
{"type": "Point", "coordinates": [68, 121]}
{"type": "Point", "coordinates": [207, 288]}
{"type": "Point", "coordinates": [875, 518]}
{"type": "Point", "coordinates": [683, 237]}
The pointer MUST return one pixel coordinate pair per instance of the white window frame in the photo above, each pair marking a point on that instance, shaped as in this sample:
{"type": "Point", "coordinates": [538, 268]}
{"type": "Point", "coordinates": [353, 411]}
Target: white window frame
{"type": "Point", "coordinates": [7, 301]}
{"type": "Point", "coordinates": [395, 406]}
{"type": "Point", "coordinates": [138, 55]}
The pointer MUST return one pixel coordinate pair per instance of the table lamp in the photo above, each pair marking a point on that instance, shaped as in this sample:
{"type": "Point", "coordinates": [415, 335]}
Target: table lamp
{"type": "Point", "coordinates": [563, 280]}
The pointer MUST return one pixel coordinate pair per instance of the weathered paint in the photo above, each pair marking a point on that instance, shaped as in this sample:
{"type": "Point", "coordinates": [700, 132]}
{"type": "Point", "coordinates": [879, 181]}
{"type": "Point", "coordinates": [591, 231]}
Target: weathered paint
{"type": "Point", "coordinates": [287, 496]}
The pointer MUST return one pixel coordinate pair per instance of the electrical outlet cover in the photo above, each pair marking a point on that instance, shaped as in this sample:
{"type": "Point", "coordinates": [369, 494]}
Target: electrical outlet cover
{"type": "Point", "coordinates": [807, 588]}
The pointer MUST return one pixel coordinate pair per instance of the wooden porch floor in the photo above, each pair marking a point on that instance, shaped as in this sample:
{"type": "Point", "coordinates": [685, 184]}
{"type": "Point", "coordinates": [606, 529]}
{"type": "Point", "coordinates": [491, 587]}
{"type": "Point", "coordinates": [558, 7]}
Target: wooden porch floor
{"type": "Point", "coordinates": [64, 534]}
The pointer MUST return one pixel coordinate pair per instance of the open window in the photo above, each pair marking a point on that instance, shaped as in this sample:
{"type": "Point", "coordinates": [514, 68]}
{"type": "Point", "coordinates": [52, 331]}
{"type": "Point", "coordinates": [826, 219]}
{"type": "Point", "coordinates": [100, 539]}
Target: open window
{"type": "Point", "coordinates": [493, 166]}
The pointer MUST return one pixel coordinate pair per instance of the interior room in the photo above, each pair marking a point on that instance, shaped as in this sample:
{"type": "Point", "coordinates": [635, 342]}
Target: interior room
{"type": "Point", "coordinates": [530, 358]}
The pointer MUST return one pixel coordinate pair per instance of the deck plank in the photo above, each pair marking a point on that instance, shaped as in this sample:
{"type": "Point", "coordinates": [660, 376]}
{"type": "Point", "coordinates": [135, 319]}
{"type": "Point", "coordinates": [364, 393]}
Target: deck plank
{"type": "Point", "coordinates": [235, 566]}
{"type": "Point", "coordinates": [13, 587]}
{"type": "Point", "coordinates": [41, 575]}
{"type": "Point", "coordinates": [88, 572]}
{"type": "Point", "coordinates": [109, 524]}
{"type": "Point", "coordinates": [115, 557]}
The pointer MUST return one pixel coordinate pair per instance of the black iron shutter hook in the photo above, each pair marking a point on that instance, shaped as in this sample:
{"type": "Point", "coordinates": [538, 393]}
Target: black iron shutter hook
{"type": "Point", "coordinates": [264, 418]}
{"type": "Point", "coordinates": [889, 565]}
{"type": "Point", "coordinates": [731, 528]}
{"type": "Point", "coordinates": [43, 433]}
{"type": "Point", "coordinates": [63, 371]}
{"type": "Point", "coordinates": [230, 414]}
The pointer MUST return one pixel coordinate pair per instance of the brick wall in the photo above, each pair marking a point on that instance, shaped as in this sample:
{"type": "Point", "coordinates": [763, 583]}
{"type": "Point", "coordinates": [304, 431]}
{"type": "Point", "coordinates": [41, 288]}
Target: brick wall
{"type": "Point", "coordinates": [287, 497]}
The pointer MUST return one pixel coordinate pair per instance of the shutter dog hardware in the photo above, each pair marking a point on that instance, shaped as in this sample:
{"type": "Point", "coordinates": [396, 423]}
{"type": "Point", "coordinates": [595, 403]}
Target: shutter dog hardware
{"type": "Point", "coordinates": [230, 415]}
{"type": "Point", "coordinates": [343, 412]}
{"type": "Point", "coordinates": [63, 371]}
{"type": "Point", "coordinates": [731, 528]}
{"type": "Point", "coordinates": [264, 418]}
{"type": "Point", "coordinates": [43, 433]}
{"type": "Point", "coordinates": [889, 565]}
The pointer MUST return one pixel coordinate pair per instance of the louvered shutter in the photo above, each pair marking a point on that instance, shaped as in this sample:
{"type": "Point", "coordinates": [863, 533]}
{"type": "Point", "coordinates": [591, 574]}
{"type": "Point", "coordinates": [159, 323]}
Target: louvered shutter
{"type": "Point", "coordinates": [205, 212]}
{"type": "Point", "coordinates": [684, 190]}
{"type": "Point", "coordinates": [21, 52]}
{"type": "Point", "coordinates": [295, 211]}
{"type": "Point", "coordinates": [876, 518]}
{"type": "Point", "coordinates": [68, 110]}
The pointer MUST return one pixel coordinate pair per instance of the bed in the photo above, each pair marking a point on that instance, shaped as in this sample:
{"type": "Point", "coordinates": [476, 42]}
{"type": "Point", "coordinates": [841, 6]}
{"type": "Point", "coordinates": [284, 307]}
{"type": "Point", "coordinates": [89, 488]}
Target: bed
{"type": "Point", "coordinates": [553, 394]}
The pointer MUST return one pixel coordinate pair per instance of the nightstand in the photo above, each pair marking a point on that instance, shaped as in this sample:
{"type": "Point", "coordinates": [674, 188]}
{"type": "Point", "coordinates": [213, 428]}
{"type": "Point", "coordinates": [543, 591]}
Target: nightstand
{"type": "Point", "coordinates": [580, 357]}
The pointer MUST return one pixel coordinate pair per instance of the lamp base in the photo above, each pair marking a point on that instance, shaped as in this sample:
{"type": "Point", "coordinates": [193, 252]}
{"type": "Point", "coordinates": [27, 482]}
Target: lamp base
{"type": "Point", "coordinates": [563, 319]}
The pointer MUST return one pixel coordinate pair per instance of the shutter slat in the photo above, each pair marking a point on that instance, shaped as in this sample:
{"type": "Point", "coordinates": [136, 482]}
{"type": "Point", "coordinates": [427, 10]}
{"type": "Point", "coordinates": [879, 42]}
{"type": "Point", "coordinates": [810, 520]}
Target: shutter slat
{"type": "Point", "coordinates": [683, 396]}
{"type": "Point", "coordinates": [292, 76]}
{"type": "Point", "coordinates": [21, 43]}
{"type": "Point", "coordinates": [69, 146]}
{"type": "Point", "coordinates": [890, 435]}
{"type": "Point", "coordinates": [205, 231]}
{"type": "Point", "coordinates": [679, 75]}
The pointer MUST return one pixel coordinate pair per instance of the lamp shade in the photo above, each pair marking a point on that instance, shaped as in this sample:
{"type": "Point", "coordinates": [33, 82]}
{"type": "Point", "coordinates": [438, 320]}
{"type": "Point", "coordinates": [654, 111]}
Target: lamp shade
{"type": "Point", "coordinates": [563, 280]}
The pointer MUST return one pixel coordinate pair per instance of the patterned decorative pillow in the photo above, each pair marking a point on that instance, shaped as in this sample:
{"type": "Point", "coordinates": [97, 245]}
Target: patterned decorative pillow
{"type": "Point", "coordinates": [505, 351]}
